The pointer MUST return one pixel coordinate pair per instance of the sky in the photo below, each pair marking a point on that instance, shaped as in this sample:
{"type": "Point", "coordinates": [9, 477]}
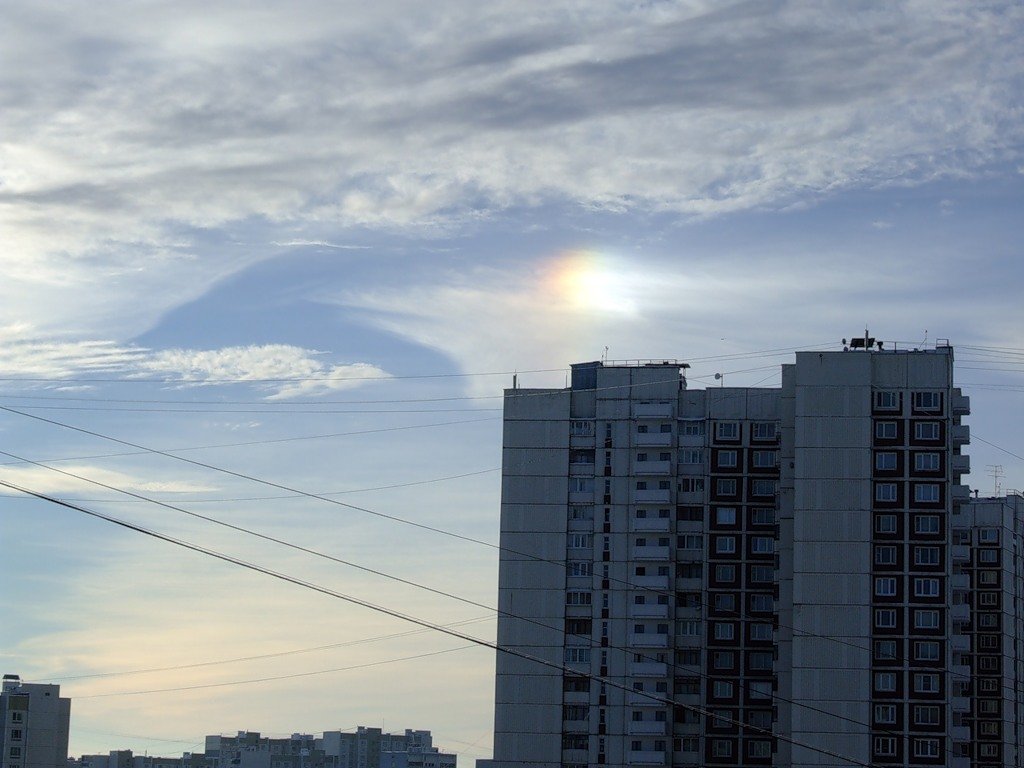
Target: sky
{"type": "Point", "coordinates": [310, 244]}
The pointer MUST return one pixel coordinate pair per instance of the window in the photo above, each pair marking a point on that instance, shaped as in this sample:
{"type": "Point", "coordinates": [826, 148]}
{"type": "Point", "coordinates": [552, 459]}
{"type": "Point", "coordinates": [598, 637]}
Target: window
{"type": "Point", "coordinates": [885, 618]}
{"type": "Point", "coordinates": [665, 456]}
{"type": "Point", "coordinates": [885, 555]}
{"type": "Point", "coordinates": [762, 516]}
{"type": "Point", "coordinates": [886, 430]}
{"type": "Point", "coordinates": [689, 744]}
{"type": "Point", "coordinates": [759, 748]}
{"type": "Point", "coordinates": [725, 601]}
{"type": "Point", "coordinates": [926, 619]}
{"type": "Point", "coordinates": [16, 717]}
{"type": "Point", "coordinates": [926, 650]}
{"type": "Point", "coordinates": [762, 574]}
{"type": "Point", "coordinates": [727, 430]}
{"type": "Point", "coordinates": [580, 512]}
{"type": "Point", "coordinates": [926, 524]}
{"type": "Point", "coordinates": [725, 574]}
{"type": "Point", "coordinates": [926, 430]}
{"type": "Point", "coordinates": [926, 747]}
{"type": "Point", "coordinates": [724, 630]}
{"type": "Point", "coordinates": [15, 752]}
{"type": "Point", "coordinates": [885, 491]}
{"type": "Point", "coordinates": [691, 485]}
{"type": "Point", "coordinates": [689, 570]}
{"type": "Point", "coordinates": [690, 541]}
{"type": "Point", "coordinates": [926, 683]}
{"type": "Point", "coordinates": [665, 428]}
{"type": "Point", "coordinates": [760, 631]}
{"type": "Point", "coordinates": [726, 458]}
{"type": "Point", "coordinates": [577, 654]}
{"type": "Point", "coordinates": [887, 401]}
{"type": "Point", "coordinates": [926, 555]}
{"type": "Point", "coordinates": [762, 545]}
{"type": "Point", "coordinates": [723, 659]}
{"type": "Point", "coordinates": [580, 541]}
{"type": "Point", "coordinates": [691, 456]}
{"type": "Point", "coordinates": [885, 461]}
{"type": "Point", "coordinates": [927, 401]}
{"type": "Point", "coordinates": [884, 746]}
{"type": "Point", "coordinates": [885, 714]}
{"type": "Point", "coordinates": [926, 587]}
{"type": "Point", "coordinates": [926, 462]}
{"type": "Point", "coordinates": [988, 556]}
{"type": "Point", "coordinates": [766, 459]}
{"type": "Point", "coordinates": [581, 428]}
{"type": "Point", "coordinates": [988, 535]}
{"type": "Point", "coordinates": [761, 603]}
{"type": "Point", "coordinates": [722, 689]}
{"type": "Point", "coordinates": [15, 734]}
{"type": "Point", "coordinates": [926, 493]}
{"type": "Point", "coordinates": [688, 627]}
{"type": "Point", "coordinates": [641, 485]}
{"type": "Point", "coordinates": [575, 741]}
{"type": "Point", "coordinates": [988, 577]}
{"type": "Point", "coordinates": [885, 650]}
{"type": "Point", "coordinates": [764, 430]}
{"type": "Point", "coordinates": [885, 682]}
{"type": "Point", "coordinates": [692, 428]}
{"type": "Point", "coordinates": [764, 488]}
{"type": "Point", "coordinates": [926, 715]}
{"type": "Point", "coordinates": [688, 656]}
{"type": "Point", "coordinates": [760, 660]}
{"type": "Point", "coordinates": [641, 457]}
{"type": "Point", "coordinates": [577, 598]}
{"type": "Point", "coordinates": [885, 586]}
{"type": "Point", "coordinates": [581, 484]}
{"type": "Point", "coordinates": [664, 485]}
{"type": "Point", "coordinates": [760, 718]}
{"type": "Point", "coordinates": [725, 515]}
{"type": "Point", "coordinates": [885, 523]}
{"type": "Point", "coordinates": [579, 569]}
{"type": "Point", "coordinates": [759, 689]}
{"type": "Point", "coordinates": [725, 486]}
{"type": "Point", "coordinates": [685, 514]}
{"type": "Point", "coordinates": [642, 429]}
{"type": "Point", "coordinates": [721, 747]}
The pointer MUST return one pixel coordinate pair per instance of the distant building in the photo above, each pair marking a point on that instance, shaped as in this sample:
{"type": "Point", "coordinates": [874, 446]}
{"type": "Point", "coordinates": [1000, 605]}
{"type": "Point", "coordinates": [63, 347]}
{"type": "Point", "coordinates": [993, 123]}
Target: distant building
{"type": "Point", "coordinates": [35, 722]}
{"type": "Point", "coordinates": [364, 748]}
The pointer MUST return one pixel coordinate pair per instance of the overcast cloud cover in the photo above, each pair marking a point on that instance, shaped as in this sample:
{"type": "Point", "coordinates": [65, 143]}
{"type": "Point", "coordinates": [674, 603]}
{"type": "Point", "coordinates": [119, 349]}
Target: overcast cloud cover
{"type": "Point", "coordinates": [214, 197]}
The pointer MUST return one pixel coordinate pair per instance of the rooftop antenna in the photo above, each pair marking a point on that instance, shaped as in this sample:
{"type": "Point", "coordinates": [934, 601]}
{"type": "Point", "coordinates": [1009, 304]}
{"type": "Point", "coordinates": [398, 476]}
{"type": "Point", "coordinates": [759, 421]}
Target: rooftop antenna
{"type": "Point", "coordinates": [865, 343]}
{"type": "Point", "coordinates": [925, 338]}
{"type": "Point", "coordinates": [996, 473]}
{"type": "Point", "coordinates": [720, 376]}
{"type": "Point", "coordinates": [604, 357]}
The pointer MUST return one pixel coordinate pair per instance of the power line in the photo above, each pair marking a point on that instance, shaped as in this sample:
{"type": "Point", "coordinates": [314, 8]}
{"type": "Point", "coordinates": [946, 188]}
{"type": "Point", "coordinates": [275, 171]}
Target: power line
{"type": "Point", "coordinates": [277, 677]}
{"type": "Point", "coordinates": [421, 622]}
{"type": "Point", "coordinates": [259, 657]}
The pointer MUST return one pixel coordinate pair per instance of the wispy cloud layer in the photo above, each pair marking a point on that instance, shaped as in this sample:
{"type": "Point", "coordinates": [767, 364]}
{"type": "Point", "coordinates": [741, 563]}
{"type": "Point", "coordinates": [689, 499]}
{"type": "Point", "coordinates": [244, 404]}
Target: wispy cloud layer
{"type": "Point", "coordinates": [133, 127]}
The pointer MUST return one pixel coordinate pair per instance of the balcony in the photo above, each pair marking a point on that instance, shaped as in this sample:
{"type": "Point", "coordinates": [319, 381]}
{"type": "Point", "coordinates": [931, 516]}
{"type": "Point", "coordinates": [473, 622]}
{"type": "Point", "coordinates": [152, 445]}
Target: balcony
{"type": "Point", "coordinates": [960, 733]}
{"type": "Point", "coordinates": [653, 468]}
{"type": "Point", "coordinates": [648, 640]}
{"type": "Point", "coordinates": [646, 728]}
{"type": "Point", "coordinates": [648, 669]}
{"type": "Point", "coordinates": [654, 439]}
{"type": "Point", "coordinates": [656, 524]}
{"type": "Point", "coordinates": [960, 493]}
{"type": "Point", "coordinates": [963, 671]}
{"type": "Point", "coordinates": [961, 405]}
{"type": "Point", "coordinates": [650, 582]}
{"type": "Point", "coordinates": [961, 553]}
{"type": "Point", "coordinates": [653, 410]}
{"type": "Point", "coordinates": [960, 643]}
{"type": "Point", "coordinates": [960, 581]}
{"type": "Point", "coordinates": [961, 464]}
{"type": "Point", "coordinates": [650, 553]}
{"type": "Point", "coordinates": [646, 758]}
{"type": "Point", "coordinates": [581, 497]}
{"type": "Point", "coordinates": [648, 611]}
{"type": "Point", "coordinates": [959, 762]}
{"type": "Point", "coordinates": [961, 704]}
{"type": "Point", "coordinates": [960, 613]}
{"type": "Point", "coordinates": [652, 496]}
{"type": "Point", "coordinates": [960, 434]}
{"type": "Point", "coordinates": [639, 699]}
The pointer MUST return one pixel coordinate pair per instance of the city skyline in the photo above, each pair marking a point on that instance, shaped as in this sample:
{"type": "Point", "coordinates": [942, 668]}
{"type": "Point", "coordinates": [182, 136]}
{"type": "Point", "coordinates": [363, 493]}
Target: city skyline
{"type": "Point", "coordinates": [212, 217]}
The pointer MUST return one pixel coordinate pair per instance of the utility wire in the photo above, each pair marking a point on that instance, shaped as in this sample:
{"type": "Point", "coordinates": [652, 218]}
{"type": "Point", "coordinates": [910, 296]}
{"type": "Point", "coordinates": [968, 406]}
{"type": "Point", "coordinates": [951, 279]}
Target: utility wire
{"type": "Point", "coordinates": [423, 622]}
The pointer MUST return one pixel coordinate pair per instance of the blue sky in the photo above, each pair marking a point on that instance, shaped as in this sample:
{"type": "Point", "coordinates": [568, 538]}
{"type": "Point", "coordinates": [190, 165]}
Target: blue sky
{"type": "Point", "coordinates": [386, 203]}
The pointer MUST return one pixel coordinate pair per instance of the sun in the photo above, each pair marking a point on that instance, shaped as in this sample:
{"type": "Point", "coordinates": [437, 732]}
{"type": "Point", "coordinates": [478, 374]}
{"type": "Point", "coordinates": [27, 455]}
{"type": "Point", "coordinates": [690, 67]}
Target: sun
{"type": "Point", "coordinates": [590, 281]}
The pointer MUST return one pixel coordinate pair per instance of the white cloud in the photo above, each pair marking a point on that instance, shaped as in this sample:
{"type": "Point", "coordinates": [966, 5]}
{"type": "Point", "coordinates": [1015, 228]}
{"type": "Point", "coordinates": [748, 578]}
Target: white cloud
{"type": "Point", "coordinates": [282, 371]}
{"type": "Point", "coordinates": [135, 130]}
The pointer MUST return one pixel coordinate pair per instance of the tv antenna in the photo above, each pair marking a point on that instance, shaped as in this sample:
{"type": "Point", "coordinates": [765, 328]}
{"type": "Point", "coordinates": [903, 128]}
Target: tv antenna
{"type": "Point", "coordinates": [995, 471]}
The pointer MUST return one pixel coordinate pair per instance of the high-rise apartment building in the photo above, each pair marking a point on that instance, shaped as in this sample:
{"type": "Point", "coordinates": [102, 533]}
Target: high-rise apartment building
{"type": "Point", "coordinates": [751, 577]}
{"type": "Point", "coordinates": [35, 722]}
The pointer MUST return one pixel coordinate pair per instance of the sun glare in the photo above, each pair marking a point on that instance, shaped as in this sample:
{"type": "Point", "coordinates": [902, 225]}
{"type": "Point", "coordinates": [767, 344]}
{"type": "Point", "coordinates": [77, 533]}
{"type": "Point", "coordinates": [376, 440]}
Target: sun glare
{"type": "Point", "coordinates": [588, 281]}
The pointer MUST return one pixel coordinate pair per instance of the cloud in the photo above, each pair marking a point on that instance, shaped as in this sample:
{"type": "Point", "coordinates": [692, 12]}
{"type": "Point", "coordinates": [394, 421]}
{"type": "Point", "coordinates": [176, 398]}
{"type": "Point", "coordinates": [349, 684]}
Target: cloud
{"type": "Point", "coordinates": [135, 131]}
{"type": "Point", "coordinates": [283, 371]}
{"type": "Point", "coordinates": [43, 480]}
